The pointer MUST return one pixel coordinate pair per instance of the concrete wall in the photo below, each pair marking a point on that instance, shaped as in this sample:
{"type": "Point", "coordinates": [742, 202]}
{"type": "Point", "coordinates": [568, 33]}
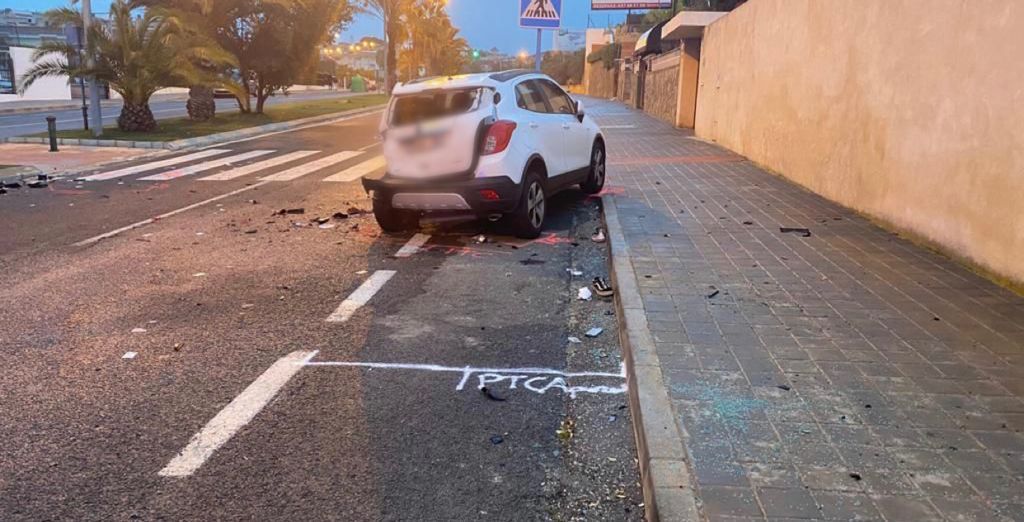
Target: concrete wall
{"type": "Point", "coordinates": [907, 110]}
{"type": "Point", "coordinates": [55, 88]}
{"type": "Point", "coordinates": [661, 90]}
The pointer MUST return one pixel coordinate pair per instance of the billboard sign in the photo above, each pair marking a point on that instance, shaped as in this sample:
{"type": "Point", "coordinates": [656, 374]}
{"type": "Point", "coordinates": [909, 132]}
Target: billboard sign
{"type": "Point", "coordinates": [634, 4]}
{"type": "Point", "coordinates": [540, 14]}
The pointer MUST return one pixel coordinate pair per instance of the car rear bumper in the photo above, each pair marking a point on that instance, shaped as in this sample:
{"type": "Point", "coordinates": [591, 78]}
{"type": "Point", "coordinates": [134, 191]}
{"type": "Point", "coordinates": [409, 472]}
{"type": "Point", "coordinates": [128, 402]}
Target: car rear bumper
{"type": "Point", "coordinates": [462, 195]}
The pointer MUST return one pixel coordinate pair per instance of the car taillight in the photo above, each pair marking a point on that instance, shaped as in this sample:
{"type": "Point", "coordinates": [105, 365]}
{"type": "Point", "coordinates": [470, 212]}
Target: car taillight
{"type": "Point", "coordinates": [499, 134]}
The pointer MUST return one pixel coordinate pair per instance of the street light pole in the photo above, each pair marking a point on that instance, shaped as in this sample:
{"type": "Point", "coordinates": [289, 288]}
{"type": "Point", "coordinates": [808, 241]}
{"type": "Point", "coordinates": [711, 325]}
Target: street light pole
{"type": "Point", "coordinates": [94, 92]}
{"type": "Point", "coordinates": [538, 57]}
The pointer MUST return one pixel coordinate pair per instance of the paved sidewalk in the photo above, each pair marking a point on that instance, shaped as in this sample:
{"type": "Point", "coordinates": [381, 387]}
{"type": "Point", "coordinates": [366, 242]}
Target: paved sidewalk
{"type": "Point", "coordinates": [32, 159]}
{"type": "Point", "coordinates": [846, 375]}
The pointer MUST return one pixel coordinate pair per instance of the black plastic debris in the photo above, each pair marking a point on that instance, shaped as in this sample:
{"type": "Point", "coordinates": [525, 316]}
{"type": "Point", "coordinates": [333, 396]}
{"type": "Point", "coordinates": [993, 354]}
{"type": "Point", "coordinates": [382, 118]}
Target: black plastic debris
{"type": "Point", "coordinates": [795, 230]}
{"type": "Point", "coordinates": [748, 222]}
{"type": "Point", "coordinates": [339, 215]}
{"type": "Point", "coordinates": [497, 439]}
{"type": "Point", "coordinates": [784, 387]}
{"type": "Point", "coordinates": [355, 211]}
{"type": "Point", "coordinates": [12, 184]}
{"type": "Point", "coordinates": [3, 190]}
{"type": "Point", "coordinates": [319, 220]}
{"type": "Point", "coordinates": [39, 183]}
{"type": "Point", "coordinates": [714, 294]}
{"type": "Point", "coordinates": [856, 476]}
{"type": "Point", "coordinates": [531, 261]}
{"type": "Point", "coordinates": [253, 231]}
{"type": "Point", "coordinates": [490, 395]}
{"type": "Point", "coordinates": [286, 211]}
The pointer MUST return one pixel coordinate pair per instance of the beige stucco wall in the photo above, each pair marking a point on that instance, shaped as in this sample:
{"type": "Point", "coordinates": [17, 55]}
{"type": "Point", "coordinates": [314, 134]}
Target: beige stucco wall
{"type": "Point", "coordinates": [601, 82]}
{"type": "Point", "coordinates": [908, 110]}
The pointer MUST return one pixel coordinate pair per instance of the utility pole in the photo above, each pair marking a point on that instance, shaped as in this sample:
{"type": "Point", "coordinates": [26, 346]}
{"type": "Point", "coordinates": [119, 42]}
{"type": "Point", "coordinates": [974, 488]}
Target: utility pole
{"type": "Point", "coordinates": [94, 92]}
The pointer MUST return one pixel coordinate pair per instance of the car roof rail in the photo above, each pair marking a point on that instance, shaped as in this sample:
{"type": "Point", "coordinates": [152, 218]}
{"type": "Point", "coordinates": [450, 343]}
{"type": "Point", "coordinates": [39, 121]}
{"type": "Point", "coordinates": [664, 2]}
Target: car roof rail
{"type": "Point", "coordinates": [505, 76]}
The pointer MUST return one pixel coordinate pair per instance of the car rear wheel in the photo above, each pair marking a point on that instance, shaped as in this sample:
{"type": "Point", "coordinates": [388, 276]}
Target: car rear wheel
{"type": "Point", "coordinates": [392, 220]}
{"type": "Point", "coordinates": [595, 180]}
{"type": "Point", "coordinates": [528, 219]}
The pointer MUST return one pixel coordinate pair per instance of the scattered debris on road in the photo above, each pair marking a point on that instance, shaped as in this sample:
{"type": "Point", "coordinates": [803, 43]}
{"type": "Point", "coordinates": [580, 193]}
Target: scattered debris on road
{"type": "Point", "coordinates": [795, 230]}
{"type": "Point", "coordinates": [531, 261]}
{"type": "Point", "coordinates": [598, 236]}
{"type": "Point", "coordinates": [286, 211]}
{"type": "Point", "coordinates": [714, 294]}
{"type": "Point", "coordinates": [602, 288]}
{"type": "Point", "coordinates": [138, 330]}
{"type": "Point", "coordinates": [584, 294]}
{"type": "Point", "coordinates": [497, 439]}
{"type": "Point", "coordinates": [199, 274]}
{"type": "Point", "coordinates": [595, 331]}
{"type": "Point", "coordinates": [567, 430]}
{"type": "Point", "coordinates": [339, 216]}
{"type": "Point", "coordinates": [129, 355]}
{"type": "Point", "coordinates": [573, 272]}
{"type": "Point", "coordinates": [574, 340]}
{"type": "Point", "coordinates": [490, 395]}
{"type": "Point", "coordinates": [784, 387]}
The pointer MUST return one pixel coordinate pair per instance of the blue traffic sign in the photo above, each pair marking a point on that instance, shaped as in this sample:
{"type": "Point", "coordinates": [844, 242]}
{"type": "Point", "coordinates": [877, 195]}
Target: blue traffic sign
{"type": "Point", "coordinates": [540, 14]}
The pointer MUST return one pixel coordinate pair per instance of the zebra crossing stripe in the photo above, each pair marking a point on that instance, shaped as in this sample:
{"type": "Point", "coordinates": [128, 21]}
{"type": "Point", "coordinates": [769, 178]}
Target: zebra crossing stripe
{"type": "Point", "coordinates": [127, 171]}
{"type": "Point", "coordinates": [358, 171]}
{"type": "Point", "coordinates": [313, 166]}
{"type": "Point", "coordinates": [256, 167]}
{"type": "Point", "coordinates": [205, 166]}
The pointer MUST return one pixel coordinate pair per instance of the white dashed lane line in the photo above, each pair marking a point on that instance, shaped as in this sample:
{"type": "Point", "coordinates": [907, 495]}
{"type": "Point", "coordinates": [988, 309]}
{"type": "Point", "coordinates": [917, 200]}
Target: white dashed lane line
{"type": "Point", "coordinates": [413, 245]}
{"type": "Point", "coordinates": [361, 296]}
{"type": "Point", "coordinates": [235, 415]}
{"type": "Point", "coordinates": [358, 171]}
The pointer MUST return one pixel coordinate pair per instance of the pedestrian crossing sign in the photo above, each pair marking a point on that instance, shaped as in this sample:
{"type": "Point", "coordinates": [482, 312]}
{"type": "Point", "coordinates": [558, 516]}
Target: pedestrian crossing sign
{"type": "Point", "coordinates": [540, 14]}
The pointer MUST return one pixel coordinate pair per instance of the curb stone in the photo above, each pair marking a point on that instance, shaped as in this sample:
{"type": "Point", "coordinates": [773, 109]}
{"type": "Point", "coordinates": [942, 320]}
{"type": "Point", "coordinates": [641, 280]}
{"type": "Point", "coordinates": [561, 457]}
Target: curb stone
{"type": "Point", "coordinates": [201, 141]}
{"type": "Point", "coordinates": [664, 473]}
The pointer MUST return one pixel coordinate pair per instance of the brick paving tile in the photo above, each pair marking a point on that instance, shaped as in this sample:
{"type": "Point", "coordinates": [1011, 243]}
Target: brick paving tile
{"type": "Point", "coordinates": [849, 375]}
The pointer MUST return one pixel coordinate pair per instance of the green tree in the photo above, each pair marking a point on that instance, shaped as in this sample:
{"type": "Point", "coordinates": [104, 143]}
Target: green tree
{"type": "Point", "coordinates": [275, 43]}
{"type": "Point", "coordinates": [564, 68]}
{"type": "Point", "coordinates": [135, 56]}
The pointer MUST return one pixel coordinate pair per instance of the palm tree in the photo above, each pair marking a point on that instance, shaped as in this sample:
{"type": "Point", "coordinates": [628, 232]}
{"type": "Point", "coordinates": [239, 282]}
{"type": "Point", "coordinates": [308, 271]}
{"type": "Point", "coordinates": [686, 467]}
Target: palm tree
{"type": "Point", "coordinates": [136, 57]}
{"type": "Point", "coordinates": [391, 12]}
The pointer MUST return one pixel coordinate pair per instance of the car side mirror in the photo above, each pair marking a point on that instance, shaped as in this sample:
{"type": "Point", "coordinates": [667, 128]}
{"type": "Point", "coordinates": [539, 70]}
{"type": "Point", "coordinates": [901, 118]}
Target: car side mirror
{"type": "Point", "coordinates": [579, 111]}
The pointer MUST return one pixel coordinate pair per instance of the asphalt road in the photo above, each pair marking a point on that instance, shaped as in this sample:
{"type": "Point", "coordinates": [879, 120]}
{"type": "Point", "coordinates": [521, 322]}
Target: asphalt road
{"type": "Point", "coordinates": [71, 119]}
{"type": "Point", "coordinates": [187, 369]}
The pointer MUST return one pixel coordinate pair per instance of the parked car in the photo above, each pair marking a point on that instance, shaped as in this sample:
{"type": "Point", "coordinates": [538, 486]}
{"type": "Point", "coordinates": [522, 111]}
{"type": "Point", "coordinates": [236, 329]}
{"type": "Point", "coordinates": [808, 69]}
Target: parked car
{"type": "Point", "coordinates": [492, 146]}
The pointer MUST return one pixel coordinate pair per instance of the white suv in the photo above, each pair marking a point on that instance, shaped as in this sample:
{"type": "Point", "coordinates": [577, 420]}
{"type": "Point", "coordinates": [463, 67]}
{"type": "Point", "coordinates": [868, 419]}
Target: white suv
{"type": "Point", "coordinates": [489, 145]}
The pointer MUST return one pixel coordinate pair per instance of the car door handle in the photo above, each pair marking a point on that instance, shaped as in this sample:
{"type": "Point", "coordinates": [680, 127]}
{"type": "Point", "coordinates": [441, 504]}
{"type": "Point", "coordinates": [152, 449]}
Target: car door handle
{"type": "Point", "coordinates": [534, 125]}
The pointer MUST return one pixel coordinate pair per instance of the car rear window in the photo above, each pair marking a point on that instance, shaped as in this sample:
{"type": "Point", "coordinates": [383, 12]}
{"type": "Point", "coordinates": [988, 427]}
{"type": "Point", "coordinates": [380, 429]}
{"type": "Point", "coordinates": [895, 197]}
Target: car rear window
{"type": "Point", "coordinates": [425, 106]}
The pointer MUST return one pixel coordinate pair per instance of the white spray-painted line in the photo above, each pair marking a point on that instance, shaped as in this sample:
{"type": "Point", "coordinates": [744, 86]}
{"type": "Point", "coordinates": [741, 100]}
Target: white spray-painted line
{"type": "Point", "coordinates": [358, 171]}
{"type": "Point", "coordinates": [145, 222]}
{"type": "Point", "coordinates": [370, 146]}
{"type": "Point", "coordinates": [256, 167]}
{"type": "Point", "coordinates": [235, 415]}
{"type": "Point", "coordinates": [127, 171]}
{"type": "Point", "coordinates": [361, 296]}
{"type": "Point", "coordinates": [205, 166]}
{"type": "Point", "coordinates": [413, 245]}
{"type": "Point", "coordinates": [313, 166]}
{"type": "Point", "coordinates": [621, 374]}
{"type": "Point", "coordinates": [303, 127]}
{"type": "Point", "coordinates": [536, 380]}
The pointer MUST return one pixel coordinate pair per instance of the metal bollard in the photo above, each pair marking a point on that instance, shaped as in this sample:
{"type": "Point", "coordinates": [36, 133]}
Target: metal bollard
{"type": "Point", "coordinates": [51, 127]}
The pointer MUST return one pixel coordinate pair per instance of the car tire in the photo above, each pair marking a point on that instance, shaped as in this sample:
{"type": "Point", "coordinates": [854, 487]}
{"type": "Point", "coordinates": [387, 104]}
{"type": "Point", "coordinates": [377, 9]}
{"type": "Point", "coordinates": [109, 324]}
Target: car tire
{"type": "Point", "coordinates": [598, 170]}
{"type": "Point", "coordinates": [528, 219]}
{"type": "Point", "coordinates": [392, 220]}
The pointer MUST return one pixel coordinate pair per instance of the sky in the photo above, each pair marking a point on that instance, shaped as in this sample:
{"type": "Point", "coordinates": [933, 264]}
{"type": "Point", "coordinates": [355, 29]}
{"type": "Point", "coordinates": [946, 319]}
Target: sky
{"type": "Point", "coordinates": [484, 23]}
